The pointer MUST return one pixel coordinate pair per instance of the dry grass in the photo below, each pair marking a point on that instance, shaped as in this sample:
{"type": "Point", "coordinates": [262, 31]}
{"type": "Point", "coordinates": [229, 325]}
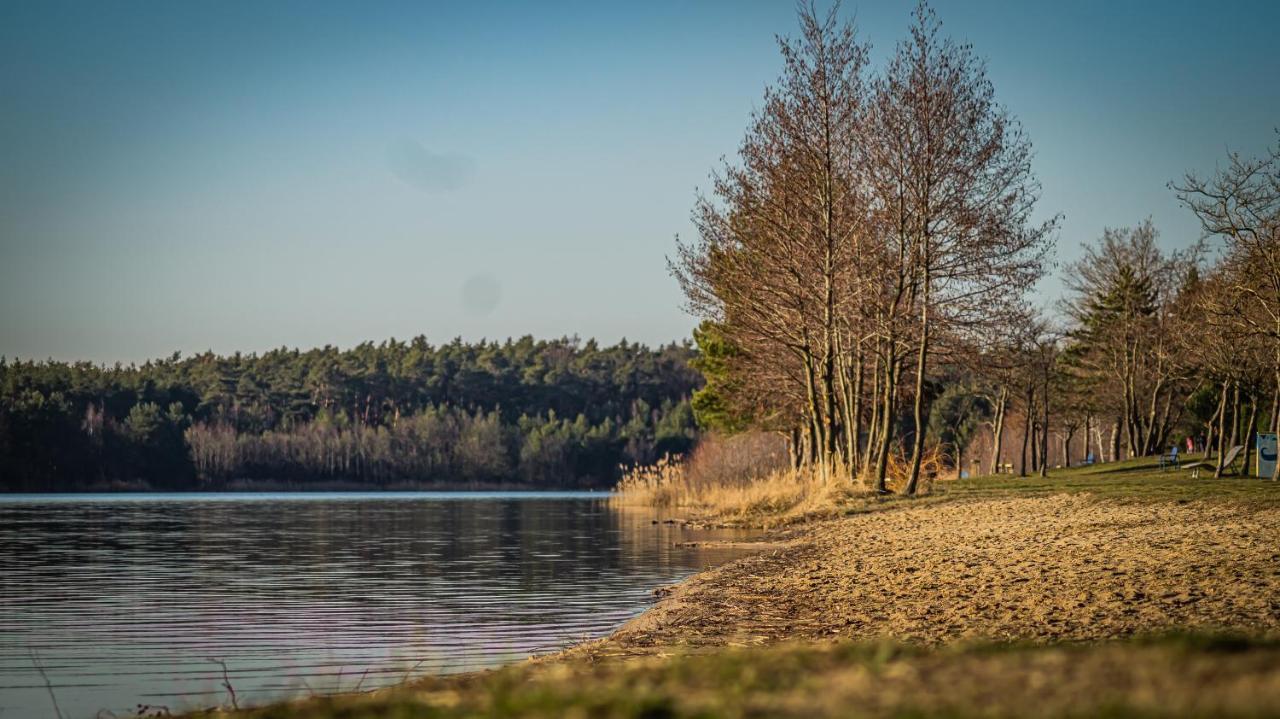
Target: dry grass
{"type": "Point", "coordinates": [748, 480]}
{"type": "Point", "coordinates": [781, 495]}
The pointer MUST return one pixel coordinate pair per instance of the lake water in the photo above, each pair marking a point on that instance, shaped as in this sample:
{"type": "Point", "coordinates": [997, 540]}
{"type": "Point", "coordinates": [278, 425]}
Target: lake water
{"type": "Point", "coordinates": [124, 600]}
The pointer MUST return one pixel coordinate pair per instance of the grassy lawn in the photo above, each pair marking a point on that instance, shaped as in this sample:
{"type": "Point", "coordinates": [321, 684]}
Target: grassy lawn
{"type": "Point", "coordinates": [1135, 479]}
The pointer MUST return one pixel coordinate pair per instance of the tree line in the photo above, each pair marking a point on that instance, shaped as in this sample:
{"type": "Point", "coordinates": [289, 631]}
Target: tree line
{"type": "Point", "coordinates": [1152, 348]}
{"type": "Point", "coordinates": [558, 413]}
{"type": "Point", "coordinates": [862, 270]}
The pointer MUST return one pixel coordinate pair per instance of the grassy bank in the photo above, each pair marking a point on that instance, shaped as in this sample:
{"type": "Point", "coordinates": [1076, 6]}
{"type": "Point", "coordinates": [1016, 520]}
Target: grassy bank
{"type": "Point", "coordinates": [1113, 590]}
{"type": "Point", "coordinates": [787, 497]}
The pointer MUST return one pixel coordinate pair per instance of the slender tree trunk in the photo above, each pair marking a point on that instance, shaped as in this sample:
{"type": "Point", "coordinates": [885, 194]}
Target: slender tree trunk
{"type": "Point", "coordinates": [873, 428]}
{"type": "Point", "coordinates": [1275, 415]}
{"type": "Point", "coordinates": [1274, 424]}
{"type": "Point", "coordinates": [854, 425]}
{"type": "Point", "coordinates": [917, 452]}
{"type": "Point", "coordinates": [1126, 417]}
{"type": "Point", "coordinates": [1044, 431]}
{"type": "Point", "coordinates": [1026, 435]}
{"type": "Point", "coordinates": [1035, 447]}
{"type": "Point", "coordinates": [1210, 440]}
{"type": "Point", "coordinates": [1087, 422]}
{"type": "Point", "coordinates": [997, 439]}
{"type": "Point", "coordinates": [814, 409]}
{"type": "Point", "coordinates": [1222, 430]}
{"type": "Point", "coordinates": [886, 419]}
{"type": "Point", "coordinates": [1249, 429]}
{"type": "Point", "coordinates": [1163, 435]}
{"type": "Point", "coordinates": [829, 412]}
{"type": "Point", "coordinates": [829, 292]}
{"type": "Point", "coordinates": [1235, 416]}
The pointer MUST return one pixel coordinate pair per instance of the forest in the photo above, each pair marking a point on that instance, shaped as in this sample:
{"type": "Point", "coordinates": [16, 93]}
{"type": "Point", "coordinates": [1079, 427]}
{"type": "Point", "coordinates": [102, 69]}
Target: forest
{"type": "Point", "coordinates": [520, 413]}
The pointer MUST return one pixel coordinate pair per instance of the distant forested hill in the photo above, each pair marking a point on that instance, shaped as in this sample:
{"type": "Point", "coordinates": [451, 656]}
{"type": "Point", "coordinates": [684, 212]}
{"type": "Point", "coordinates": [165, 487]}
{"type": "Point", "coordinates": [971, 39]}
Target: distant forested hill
{"type": "Point", "coordinates": [545, 414]}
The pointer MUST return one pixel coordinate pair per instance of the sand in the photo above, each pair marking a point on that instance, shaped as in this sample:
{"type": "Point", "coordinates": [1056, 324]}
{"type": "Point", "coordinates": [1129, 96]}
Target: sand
{"type": "Point", "coordinates": [1039, 569]}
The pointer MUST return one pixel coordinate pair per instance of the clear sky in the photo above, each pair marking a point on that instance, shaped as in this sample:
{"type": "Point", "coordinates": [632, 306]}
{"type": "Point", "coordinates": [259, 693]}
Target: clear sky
{"type": "Point", "coordinates": [242, 176]}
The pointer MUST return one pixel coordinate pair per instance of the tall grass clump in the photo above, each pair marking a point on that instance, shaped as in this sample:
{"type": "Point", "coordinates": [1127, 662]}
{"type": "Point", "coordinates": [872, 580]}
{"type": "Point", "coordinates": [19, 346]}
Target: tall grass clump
{"type": "Point", "coordinates": [660, 484]}
{"type": "Point", "coordinates": [743, 476]}
{"type": "Point", "coordinates": [749, 477]}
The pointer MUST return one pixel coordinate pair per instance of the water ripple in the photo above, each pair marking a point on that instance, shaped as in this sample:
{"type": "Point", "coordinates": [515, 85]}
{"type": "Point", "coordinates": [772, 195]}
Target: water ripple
{"type": "Point", "coordinates": [128, 599]}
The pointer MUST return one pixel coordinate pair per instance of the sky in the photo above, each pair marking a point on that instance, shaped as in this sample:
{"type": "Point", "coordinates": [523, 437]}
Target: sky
{"type": "Point", "coordinates": [240, 176]}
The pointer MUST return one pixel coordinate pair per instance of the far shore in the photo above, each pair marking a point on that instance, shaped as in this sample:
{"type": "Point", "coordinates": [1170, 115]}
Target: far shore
{"type": "Point", "coordinates": [251, 486]}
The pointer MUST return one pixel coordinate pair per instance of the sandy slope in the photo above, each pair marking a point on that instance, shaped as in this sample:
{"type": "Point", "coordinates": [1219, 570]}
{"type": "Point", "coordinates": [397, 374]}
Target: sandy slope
{"type": "Point", "coordinates": [1064, 567]}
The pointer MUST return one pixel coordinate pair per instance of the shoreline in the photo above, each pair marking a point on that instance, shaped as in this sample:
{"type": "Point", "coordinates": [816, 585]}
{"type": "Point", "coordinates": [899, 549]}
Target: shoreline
{"type": "Point", "coordinates": [1042, 571]}
{"type": "Point", "coordinates": [274, 487]}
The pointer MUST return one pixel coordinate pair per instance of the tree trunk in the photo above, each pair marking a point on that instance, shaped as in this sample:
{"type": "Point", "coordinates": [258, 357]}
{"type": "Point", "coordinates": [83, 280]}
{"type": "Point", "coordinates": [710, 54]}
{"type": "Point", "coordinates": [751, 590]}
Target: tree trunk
{"type": "Point", "coordinates": [886, 419]}
{"type": "Point", "coordinates": [1274, 422]}
{"type": "Point", "coordinates": [1166, 428]}
{"type": "Point", "coordinates": [1035, 447]}
{"type": "Point", "coordinates": [872, 458]}
{"type": "Point", "coordinates": [855, 411]}
{"type": "Point", "coordinates": [828, 412]}
{"type": "Point", "coordinates": [1235, 416]}
{"type": "Point", "coordinates": [873, 427]}
{"type": "Point", "coordinates": [1044, 431]}
{"type": "Point", "coordinates": [1026, 435]}
{"type": "Point", "coordinates": [1210, 436]}
{"type": "Point", "coordinates": [1222, 430]}
{"type": "Point", "coordinates": [1248, 436]}
{"type": "Point", "coordinates": [1151, 440]}
{"type": "Point", "coordinates": [1275, 411]}
{"type": "Point", "coordinates": [997, 439]}
{"type": "Point", "coordinates": [814, 409]}
{"type": "Point", "coordinates": [917, 450]}
{"type": "Point", "coordinates": [1087, 422]}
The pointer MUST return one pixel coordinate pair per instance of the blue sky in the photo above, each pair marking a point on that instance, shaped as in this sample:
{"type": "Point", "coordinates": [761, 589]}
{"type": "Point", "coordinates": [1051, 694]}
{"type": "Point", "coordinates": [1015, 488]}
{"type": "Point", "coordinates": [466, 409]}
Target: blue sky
{"type": "Point", "coordinates": [241, 176]}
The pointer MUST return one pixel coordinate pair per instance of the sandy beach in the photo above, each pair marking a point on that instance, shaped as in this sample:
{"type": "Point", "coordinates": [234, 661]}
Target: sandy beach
{"type": "Point", "coordinates": [1039, 569]}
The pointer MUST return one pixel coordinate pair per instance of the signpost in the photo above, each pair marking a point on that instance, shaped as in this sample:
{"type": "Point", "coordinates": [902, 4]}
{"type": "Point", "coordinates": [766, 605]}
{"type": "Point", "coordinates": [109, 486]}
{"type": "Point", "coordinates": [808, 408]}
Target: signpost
{"type": "Point", "coordinates": [1266, 455]}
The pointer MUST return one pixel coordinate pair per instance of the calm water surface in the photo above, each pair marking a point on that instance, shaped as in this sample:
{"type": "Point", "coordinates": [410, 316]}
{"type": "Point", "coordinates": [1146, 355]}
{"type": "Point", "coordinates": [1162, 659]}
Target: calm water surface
{"type": "Point", "coordinates": [128, 599]}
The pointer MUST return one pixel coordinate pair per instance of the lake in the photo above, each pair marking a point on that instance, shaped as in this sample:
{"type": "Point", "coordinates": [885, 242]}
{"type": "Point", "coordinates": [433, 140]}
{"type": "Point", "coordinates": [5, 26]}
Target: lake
{"type": "Point", "coordinates": [123, 600]}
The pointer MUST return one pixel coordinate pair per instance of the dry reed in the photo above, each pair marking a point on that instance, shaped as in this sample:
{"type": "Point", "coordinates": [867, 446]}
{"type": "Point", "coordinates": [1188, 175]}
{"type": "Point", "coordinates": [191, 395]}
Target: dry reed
{"type": "Point", "coordinates": [718, 481]}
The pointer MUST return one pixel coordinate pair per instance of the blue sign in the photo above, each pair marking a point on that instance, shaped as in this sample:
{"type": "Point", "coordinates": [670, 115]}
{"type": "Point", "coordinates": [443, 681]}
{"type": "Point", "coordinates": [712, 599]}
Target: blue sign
{"type": "Point", "coordinates": [1266, 455]}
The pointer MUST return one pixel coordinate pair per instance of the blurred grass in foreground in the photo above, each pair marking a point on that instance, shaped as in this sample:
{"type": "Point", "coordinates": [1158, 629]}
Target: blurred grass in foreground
{"type": "Point", "coordinates": [1175, 675]}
